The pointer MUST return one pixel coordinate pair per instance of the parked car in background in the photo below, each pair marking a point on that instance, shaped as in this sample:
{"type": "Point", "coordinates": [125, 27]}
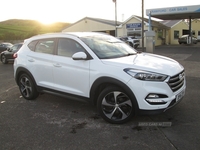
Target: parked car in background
{"type": "Point", "coordinates": [124, 39]}
{"type": "Point", "coordinates": [184, 39]}
{"type": "Point", "coordinates": [7, 55]}
{"type": "Point", "coordinates": [116, 78]}
{"type": "Point", "coordinates": [133, 42]}
{"type": "Point", "coordinates": [4, 46]}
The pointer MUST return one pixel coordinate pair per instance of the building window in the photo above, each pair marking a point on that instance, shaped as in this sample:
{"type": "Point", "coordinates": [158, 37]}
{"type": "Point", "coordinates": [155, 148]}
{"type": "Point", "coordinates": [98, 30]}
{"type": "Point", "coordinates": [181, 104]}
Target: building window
{"type": "Point", "coordinates": [160, 34]}
{"type": "Point", "coordinates": [136, 32]}
{"type": "Point", "coordinates": [193, 32]}
{"type": "Point", "coordinates": [176, 34]}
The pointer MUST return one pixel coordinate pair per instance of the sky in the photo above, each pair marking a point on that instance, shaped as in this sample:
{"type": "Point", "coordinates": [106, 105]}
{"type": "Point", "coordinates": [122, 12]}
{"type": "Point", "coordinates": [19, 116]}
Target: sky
{"type": "Point", "coordinates": [70, 11]}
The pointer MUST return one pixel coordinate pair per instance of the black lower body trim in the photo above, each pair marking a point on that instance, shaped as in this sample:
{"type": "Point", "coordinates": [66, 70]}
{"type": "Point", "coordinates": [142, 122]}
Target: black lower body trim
{"type": "Point", "coordinates": [62, 94]}
{"type": "Point", "coordinates": [150, 112]}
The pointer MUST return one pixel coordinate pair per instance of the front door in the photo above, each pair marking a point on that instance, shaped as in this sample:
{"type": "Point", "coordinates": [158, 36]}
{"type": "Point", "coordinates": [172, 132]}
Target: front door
{"type": "Point", "coordinates": [70, 76]}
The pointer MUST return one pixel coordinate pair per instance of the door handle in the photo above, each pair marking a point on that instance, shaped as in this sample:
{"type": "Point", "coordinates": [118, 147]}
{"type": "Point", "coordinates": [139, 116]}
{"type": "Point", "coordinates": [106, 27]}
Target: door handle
{"type": "Point", "coordinates": [57, 65]}
{"type": "Point", "coordinates": [31, 60]}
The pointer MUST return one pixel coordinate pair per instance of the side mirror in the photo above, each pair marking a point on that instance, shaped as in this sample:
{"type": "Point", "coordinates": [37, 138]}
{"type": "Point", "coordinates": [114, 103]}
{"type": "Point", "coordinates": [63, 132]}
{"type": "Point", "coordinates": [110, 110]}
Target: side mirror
{"type": "Point", "coordinates": [79, 56]}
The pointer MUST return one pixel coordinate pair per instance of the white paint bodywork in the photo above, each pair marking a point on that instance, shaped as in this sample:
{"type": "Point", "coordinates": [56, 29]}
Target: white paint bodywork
{"type": "Point", "coordinates": [77, 76]}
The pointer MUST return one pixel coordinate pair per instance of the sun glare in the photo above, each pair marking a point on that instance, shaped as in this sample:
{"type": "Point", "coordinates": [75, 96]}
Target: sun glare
{"type": "Point", "coordinates": [46, 21]}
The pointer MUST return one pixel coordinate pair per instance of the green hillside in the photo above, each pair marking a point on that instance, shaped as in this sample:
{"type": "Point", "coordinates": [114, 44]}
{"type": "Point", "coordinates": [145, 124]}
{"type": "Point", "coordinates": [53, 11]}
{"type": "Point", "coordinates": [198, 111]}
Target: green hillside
{"type": "Point", "coordinates": [16, 29]}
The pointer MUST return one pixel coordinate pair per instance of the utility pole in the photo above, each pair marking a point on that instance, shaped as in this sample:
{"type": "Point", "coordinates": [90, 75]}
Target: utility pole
{"type": "Point", "coordinates": [142, 25]}
{"type": "Point", "coordinates": [115, 1]}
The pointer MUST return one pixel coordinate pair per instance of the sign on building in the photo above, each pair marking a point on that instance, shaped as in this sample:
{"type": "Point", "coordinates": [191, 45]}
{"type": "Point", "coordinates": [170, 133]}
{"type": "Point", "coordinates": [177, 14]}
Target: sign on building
{"type": "Point", "coordinates": [133, 25]}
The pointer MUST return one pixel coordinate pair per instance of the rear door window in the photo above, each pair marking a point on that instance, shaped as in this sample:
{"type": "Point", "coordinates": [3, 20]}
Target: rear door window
{"type": "Point", "coordinates": [45, 46]}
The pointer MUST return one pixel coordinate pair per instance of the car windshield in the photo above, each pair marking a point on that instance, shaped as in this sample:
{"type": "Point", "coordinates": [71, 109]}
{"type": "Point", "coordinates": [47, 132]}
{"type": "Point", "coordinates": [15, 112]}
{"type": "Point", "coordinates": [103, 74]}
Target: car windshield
{"type": "Point", "coordinates": [106, 47]}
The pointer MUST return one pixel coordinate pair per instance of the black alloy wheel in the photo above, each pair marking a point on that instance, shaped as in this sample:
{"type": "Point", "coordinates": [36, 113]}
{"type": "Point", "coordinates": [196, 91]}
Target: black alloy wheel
{"type": "Point", "coordinates": [27, 87]}
{"type": "Point", "coordinates": [115, 106]}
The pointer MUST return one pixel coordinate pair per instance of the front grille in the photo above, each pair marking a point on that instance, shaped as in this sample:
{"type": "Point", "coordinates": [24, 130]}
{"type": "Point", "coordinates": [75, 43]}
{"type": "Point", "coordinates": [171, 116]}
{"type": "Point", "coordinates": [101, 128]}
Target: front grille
{"type": "Point", "coordinates": [177, 81]}
{"type": "Point", "coordinates": [136, 41]}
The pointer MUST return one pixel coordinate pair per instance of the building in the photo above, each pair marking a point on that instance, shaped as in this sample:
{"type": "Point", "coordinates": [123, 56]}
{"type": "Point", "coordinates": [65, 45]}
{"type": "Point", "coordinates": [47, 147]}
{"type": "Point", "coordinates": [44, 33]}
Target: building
{"type": "Point", "coordinates": [196, 28]}
{"type": "Point", "coordinates": [166, 32]}
{"type": "Point", "coordinates": [133, 27]}
{"type": "Point", "coordinates": [88, 24]}
{"type": "Point", "coordinates": [177, 28]}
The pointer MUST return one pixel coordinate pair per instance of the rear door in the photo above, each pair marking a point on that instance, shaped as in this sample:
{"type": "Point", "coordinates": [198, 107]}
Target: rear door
{"type": "Point", "coordinates": [40, 61]}
{"type": "Point", "coordinates": [70, 76]}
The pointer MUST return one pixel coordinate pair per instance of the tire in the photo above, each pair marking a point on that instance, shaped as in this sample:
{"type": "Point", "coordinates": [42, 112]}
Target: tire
{"type": "Point", "coordinates": [135, 46]}
{"type": "Point", "coordinates": [131, 44]}
{"type": "Point", "coordinates": [115, 106]}
{"type": "Point", "coordinates": [27, 87]}
{"type": "Point", "coordinates": [3, 59]}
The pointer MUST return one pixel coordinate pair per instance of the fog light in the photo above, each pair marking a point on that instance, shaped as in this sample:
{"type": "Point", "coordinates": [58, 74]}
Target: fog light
{"type": "Point", "coordinates": [156, 99]}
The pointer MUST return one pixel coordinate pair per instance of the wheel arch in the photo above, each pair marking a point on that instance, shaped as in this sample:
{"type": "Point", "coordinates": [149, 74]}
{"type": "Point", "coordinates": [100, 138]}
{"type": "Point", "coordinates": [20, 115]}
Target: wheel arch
{"type": "Point", "coordinates": [22, 70]}
{"type": "Point", "coordinates": [103, 82]}
{"type": "Point", "coordinates": [3, 54]}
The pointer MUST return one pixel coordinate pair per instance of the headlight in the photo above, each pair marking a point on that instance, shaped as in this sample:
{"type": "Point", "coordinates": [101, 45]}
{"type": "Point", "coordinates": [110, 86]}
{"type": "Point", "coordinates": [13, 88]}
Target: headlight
{"type": "Point", "coordinates": [145, 75]}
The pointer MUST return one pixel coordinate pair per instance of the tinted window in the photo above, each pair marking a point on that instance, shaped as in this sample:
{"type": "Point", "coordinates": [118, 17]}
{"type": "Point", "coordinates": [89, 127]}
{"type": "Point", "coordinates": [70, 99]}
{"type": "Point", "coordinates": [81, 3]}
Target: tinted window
{"type": "Point", "coordinates": [15, 47]}
{"type": "Point", "coordinates": [67, 47]}
{"type": "Point", "coordinates": [32, 45]}
{"type": "Point", "coordinates": [45, 46]}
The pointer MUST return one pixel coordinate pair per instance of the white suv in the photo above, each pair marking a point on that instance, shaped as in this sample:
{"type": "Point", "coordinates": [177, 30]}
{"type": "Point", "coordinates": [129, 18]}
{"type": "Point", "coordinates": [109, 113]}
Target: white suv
{"type": "Point", "coordinates": [119, 80]}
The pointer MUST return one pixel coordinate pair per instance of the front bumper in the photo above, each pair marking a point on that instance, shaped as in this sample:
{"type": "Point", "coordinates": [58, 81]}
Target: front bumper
{"type": "Point", "coordinates": [142, 89]}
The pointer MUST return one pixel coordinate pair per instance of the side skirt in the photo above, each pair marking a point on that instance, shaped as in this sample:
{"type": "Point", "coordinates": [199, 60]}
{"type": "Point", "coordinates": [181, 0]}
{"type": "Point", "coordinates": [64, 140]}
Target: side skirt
{"type": "Point", "coordinates": [63, 94]}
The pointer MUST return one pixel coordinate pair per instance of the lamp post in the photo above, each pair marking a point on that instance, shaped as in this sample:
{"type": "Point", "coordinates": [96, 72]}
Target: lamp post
{"type": "Point", "coordinates": [142, 25]}
{"type": "Point", "coordinates": [115, 1]}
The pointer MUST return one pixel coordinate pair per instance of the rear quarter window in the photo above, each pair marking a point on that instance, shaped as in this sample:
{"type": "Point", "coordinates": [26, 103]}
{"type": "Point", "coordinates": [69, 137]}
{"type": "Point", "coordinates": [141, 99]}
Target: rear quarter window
{"type": "Point", "coordinates": [32, 45]}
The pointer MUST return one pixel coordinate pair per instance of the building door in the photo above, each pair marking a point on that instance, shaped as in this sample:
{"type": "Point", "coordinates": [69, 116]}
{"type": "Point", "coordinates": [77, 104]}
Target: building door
{"type": "Point", "coordinates": [185, 32]}
{"type": "Point", "coordinates": [198, 36]}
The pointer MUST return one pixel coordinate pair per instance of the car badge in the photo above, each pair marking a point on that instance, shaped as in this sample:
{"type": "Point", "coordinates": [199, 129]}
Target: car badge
{"type": "Point", "coordinates": [180, 76]}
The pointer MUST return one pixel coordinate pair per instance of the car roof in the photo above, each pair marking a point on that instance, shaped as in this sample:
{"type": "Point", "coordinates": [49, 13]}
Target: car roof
{"type": "Point", "coordinates": [187, 36]}
{"type": "Point", "coordinates": [184, 35]}
{"type": "Point", "coordinates": [18, 44]}
{"type": "Point", "coordinates": [63, 34]}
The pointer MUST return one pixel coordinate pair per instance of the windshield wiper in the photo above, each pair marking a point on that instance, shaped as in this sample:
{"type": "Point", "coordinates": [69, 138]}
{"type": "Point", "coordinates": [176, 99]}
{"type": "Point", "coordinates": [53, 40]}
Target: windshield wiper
{"type": "Point", "coordinates": [129, 54]}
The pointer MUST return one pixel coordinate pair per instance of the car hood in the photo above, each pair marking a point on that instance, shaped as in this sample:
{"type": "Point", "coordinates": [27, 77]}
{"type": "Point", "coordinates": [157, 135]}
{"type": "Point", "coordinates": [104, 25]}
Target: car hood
{"type": "Point", "coordinates": [147, 62]}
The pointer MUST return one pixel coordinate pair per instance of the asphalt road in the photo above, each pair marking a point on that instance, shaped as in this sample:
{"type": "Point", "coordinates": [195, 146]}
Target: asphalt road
{"type": "Point", "coordinates": [53, 122]}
